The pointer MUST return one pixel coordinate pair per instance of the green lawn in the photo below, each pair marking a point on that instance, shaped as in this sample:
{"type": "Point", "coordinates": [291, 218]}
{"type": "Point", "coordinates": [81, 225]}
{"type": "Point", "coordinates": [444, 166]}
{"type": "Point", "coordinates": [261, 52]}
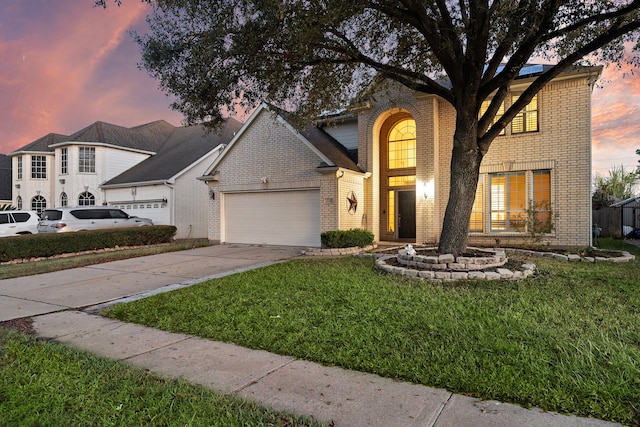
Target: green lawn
{"type": "Point", "coordinates": [47, 384]}
{"type": "Point", "coordinates": [566, 340]}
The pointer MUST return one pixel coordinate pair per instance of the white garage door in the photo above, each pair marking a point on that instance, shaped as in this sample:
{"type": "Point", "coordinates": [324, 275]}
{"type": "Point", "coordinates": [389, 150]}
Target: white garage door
{"type": "Point", "coordinates": [288, 218]}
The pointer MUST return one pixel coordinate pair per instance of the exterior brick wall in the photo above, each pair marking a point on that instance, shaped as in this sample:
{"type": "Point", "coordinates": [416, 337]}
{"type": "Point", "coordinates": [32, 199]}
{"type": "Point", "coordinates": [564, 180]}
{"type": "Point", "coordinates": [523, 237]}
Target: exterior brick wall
{"type": "Point", "coordinates": [562, 145]}
{"type": "Point", "coordinates": [269, 149]}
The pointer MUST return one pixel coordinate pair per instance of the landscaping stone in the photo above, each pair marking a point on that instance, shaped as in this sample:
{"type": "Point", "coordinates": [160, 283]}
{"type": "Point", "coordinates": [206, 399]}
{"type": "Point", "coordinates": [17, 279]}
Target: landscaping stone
{"type": "Point", "coordinates": [426, 274]}
{"type": "Point", "coordinates": [446, 258]}
{"type": "Point", "coordinates": [504, 273]}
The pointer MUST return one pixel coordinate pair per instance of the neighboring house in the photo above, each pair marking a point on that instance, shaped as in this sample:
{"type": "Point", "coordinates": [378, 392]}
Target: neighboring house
{"type": "Point", "coordinates": [5, 180]}
{"type": "Point", "coordinates": [170, 175]}
{"type": "Point", "coordinates": [629, 213]}
{"type": "Point", "coordinates": [275, 184]}
{"type": "Point", "coordinates": [149, 170]}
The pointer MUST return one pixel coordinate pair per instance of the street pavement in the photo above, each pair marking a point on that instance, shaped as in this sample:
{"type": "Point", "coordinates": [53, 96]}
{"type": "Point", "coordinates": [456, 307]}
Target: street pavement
{"type": "Point", "coordinates": [63, 304]}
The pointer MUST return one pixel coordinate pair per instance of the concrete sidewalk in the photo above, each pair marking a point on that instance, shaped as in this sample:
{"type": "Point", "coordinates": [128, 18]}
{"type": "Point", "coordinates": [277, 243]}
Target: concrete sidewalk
{"type": "Point", "coordinates": [60, 304]}
{"type": "Point", "coordinates": [329, 394]}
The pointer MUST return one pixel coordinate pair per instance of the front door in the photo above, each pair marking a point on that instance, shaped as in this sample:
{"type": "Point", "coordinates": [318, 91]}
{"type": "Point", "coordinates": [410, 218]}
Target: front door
{"type": "Point", "coordinates": [407, 214]}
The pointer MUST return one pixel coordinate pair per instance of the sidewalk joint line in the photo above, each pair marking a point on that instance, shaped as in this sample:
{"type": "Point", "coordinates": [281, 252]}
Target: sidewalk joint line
{"type": "Point", "coordinates": [442, 407]}
{"type": "Point", "coordinates": [257, 380]}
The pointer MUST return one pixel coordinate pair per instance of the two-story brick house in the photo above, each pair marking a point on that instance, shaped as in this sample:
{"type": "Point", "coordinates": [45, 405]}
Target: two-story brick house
{"type": "Point", "coordinates": [384, 165]}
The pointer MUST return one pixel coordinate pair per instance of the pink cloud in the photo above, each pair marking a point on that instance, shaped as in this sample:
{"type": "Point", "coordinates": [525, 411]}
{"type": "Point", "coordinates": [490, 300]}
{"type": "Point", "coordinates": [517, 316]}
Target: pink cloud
{"type": "Point", "coordinates": [66, 64]}
{"type": "Point", "coordinates": [71, 65]}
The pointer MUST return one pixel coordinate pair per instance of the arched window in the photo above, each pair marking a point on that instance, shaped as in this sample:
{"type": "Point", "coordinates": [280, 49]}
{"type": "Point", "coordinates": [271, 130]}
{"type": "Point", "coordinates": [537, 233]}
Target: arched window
{"type": "Point", "coordinates": [38, 204]}
{"type": "Point", "coordinates": [19, 202]}
{"type": "Point", "coordinates": [402, 145]}
{"type": "Point", "coordinates": [64, 200]}
{"type": "Point", "coordinates": [86, 199]}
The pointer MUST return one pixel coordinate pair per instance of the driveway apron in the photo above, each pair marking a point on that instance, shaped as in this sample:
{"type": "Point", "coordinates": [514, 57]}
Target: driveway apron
{"type": "Point", "coordinates": [101, 283]}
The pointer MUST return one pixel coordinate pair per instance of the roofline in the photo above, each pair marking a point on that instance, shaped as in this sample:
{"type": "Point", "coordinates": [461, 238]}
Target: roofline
{"type": "Point", "coordinates": [572, 72]}
{"type": "Point", "coordinates": [136, 184]}
{"type": "Point", "coordinates": [220, 147]}
{"type": "Point", "coordinates": [237, 136]}
{"type": "Point", "coordinates": [101, 144]}
{"type": "Point", "coordinates": [263, 106]}
{"type": "Point", "coordinates": [17, 153]}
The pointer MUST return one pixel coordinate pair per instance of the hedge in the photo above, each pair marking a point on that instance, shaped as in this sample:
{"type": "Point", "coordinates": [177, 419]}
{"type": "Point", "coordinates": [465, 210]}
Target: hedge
{"type": "Point", "coordinates": [346, 238]}
{"type": "Point", "coordinates": [50, 244]}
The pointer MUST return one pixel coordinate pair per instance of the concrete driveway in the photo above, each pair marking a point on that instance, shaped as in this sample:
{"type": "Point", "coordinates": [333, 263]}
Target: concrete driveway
{"type": "Point", "coordinates": [101, 283]}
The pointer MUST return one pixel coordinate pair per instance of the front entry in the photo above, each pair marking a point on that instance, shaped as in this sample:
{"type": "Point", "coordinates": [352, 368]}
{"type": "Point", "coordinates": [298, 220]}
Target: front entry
{"type": "Point", "coordinates": [406, 214]}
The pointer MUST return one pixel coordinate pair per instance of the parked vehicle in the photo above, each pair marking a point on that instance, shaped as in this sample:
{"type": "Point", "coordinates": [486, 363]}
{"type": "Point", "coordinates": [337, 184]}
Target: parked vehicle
{"type": "Point", "coordinates": [18, 222]}
{"type": "Point", "coordinates": [84, 218]}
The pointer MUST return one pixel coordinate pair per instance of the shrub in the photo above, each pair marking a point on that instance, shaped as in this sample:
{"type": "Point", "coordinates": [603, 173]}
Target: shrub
{"type": "Point", "coordinates": [346, 238]}
{"type": "Point", "coordinates": [49, 244]}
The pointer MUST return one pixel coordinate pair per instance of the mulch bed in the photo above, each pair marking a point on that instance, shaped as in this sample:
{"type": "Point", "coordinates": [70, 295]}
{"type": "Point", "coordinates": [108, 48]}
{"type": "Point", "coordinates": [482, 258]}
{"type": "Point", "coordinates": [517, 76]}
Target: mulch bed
{"type": "Point", "coordinates": [24, 324]}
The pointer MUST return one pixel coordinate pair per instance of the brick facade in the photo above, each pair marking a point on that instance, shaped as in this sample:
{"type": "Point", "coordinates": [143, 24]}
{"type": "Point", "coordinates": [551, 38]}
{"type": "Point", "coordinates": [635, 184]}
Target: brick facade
{"type": "Point", "coordinates": [269, 155]}
{"type": "Point", "coordinates": [562, 145]}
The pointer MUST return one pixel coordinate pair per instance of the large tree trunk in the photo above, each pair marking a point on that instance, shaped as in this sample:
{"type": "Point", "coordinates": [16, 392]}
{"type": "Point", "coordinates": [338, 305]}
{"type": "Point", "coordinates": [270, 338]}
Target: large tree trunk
{"type": "Point", "coordinates": [465, 169]}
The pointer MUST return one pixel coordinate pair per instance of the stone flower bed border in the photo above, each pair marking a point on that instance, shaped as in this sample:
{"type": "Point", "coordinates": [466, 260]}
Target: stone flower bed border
{"type": "Point", "coordinates": [624, 256]}
{"type": "Point", "coordinates": [338, 251]}
{"type": "Point", "coordinates": [446, 267]}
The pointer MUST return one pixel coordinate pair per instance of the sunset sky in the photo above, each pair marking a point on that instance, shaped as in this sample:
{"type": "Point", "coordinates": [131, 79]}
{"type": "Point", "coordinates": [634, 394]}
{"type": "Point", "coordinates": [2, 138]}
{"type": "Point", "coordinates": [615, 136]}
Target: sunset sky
{"type": "Point", "coordinates": [65, 64]}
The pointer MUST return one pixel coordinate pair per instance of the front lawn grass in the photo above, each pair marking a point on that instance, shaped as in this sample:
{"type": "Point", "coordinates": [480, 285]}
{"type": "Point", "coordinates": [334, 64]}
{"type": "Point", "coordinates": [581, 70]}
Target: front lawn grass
{"type": "Point", "coordinates": [567, 340]}
{"type": "Point", "coordinates": [47, 384]}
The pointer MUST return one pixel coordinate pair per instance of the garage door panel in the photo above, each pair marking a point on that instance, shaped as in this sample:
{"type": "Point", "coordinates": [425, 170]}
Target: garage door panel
{"type": "Point", "coordinates": [274, 218]}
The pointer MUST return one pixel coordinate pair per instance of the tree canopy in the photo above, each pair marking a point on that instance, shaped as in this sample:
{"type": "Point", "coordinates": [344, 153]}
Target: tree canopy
{"type": "Point", "coordinates": [313, 56]}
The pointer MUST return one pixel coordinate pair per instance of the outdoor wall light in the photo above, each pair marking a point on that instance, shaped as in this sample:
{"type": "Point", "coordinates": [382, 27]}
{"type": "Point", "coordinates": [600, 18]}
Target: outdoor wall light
{"type": "Point", "coordinates": [212, 194]}
{"type": "Point", "coordinates": [425, 188]}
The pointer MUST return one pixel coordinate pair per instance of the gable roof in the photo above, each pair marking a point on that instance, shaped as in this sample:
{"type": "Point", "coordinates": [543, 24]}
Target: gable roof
{"type": "Point", "coordinates": [330, 151]}
{"type": "Point", "coordinates": [185, 146]}
{"type": "Point", "coordinates": [5, 177]}
{"type": "Point", "coordinates": [41, 145]}
{"type": "Point", "coordinates": [321, 140]}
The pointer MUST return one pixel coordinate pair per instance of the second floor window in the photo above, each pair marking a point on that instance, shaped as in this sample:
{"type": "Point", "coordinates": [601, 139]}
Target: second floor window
{"type": "Point", "coordinates": [87, 160]}
{"type": "Point", "coordinates": [485, 106]}
{"type": "Point", "coordinates": [527, 119]}
{"type": "Point", "coordinates": [64, 161]}
{"type": "Point", "coordinates": [38, 167]}
{"type": "Point", "coordinates": [19, 168]}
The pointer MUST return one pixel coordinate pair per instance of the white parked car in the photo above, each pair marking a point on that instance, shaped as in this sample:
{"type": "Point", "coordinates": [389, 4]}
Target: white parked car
{"type": "Point", "coordinates": [84, 218]}
{"type": "Point", "coordinates": [18, 222]}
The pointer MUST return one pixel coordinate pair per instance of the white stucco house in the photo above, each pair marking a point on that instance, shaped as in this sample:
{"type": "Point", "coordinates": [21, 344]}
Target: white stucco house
{"type": "Point", "coordinates": [146, 170]}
